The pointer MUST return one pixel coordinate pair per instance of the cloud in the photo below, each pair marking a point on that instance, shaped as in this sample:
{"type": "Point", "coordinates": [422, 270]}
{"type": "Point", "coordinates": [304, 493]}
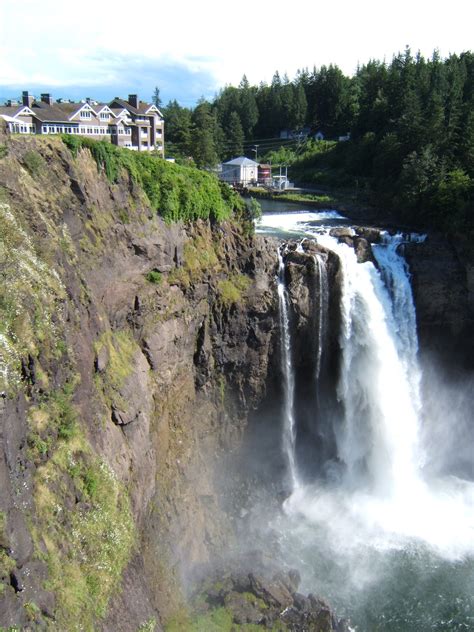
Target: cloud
{"type": "Point", "coordinates": [191, 49]}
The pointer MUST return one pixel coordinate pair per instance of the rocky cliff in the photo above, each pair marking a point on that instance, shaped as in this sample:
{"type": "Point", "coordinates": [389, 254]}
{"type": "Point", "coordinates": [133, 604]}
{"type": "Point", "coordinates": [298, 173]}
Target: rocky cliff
{"type": "Point", "coordinates": [131, 354]}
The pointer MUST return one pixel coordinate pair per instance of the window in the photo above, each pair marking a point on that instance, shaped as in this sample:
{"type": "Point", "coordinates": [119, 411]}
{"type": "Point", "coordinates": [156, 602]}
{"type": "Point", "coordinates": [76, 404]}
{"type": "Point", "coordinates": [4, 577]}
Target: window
{"type": "Point", "coordinates": [86, 114]}
{"type": "Point", "coordinates": [104, 116]}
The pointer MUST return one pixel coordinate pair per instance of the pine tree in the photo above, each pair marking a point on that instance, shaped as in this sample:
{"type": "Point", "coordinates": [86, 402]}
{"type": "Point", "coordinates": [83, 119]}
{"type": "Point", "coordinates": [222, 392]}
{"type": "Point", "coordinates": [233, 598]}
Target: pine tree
{"type": "Point", "coordinates": [235, 137]}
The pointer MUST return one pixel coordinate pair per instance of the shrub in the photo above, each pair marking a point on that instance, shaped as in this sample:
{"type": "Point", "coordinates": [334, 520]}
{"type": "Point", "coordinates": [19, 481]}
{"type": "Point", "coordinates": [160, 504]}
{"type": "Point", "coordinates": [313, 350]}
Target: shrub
{"type": "Point", "coordinates": [154, 276]}
{"type": "Point", "coordinates": [33, 162]}
{"type": "Point", "coordinates": [175, 192]}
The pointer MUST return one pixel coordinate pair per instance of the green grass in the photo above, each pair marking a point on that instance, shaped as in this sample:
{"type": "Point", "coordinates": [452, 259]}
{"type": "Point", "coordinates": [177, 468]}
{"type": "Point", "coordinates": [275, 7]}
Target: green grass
{"type": "Point", "coordinates": [55, 418]}
{"type": "Point", "coordinates": [231, 291]}
{"type": "Point", "coordinates": [217, 620]}
{"type": "Point", "coordinates": [34, 162]}
{"type": "Point", "coordinates": [120, 348]}
{"type": "Point", "coordinates": [31, 297]}
{"type": "Point", "coordinates": [175, 192]}
{"type": "Point", "coordinates": [199, 259]}
{"type": "Point", "coordinates": [88, 545]}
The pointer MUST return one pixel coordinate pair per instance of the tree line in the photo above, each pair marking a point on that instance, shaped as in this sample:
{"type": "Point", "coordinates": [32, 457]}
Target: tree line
{"type": "Point", "coordinates": [410, 121]}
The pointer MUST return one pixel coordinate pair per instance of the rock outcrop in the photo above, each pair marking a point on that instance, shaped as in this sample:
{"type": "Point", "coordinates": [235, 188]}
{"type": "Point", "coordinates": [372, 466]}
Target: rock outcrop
{"type": "Point", "coordinates": [136, 351]}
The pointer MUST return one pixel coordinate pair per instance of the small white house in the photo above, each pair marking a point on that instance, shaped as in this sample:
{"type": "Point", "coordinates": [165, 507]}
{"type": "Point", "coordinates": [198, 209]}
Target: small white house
{"type": "Point", "coordinates": [240, 170]}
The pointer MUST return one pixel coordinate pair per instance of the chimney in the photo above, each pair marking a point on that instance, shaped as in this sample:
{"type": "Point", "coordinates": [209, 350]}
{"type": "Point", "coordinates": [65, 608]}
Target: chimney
{"type": "Point", "coordinates": [133, 100]}
{"type": "Point", "coordinates": [47, 98]}
{"type": "Point", "coordinates": [27, 98]}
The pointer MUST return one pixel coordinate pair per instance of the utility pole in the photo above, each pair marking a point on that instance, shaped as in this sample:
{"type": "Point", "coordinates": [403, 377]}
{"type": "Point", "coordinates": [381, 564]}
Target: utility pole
{"type": "Point", "coordinates": [255, 149]}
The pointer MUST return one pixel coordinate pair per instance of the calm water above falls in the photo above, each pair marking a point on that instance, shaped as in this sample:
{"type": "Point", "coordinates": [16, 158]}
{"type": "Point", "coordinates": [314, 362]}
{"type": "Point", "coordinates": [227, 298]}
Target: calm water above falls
{"type": "Point", "coordinates": [390, 546]}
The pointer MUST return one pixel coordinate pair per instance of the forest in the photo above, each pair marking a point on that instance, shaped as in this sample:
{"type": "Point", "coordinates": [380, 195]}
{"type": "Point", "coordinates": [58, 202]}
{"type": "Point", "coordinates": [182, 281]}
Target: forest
{"type": "Point", "coordinates": [410, 125]}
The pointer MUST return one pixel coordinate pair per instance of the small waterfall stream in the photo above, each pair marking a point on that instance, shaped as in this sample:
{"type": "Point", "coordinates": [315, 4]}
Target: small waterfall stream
{"type": "Point", "coordinates": [289, 429]}
{"type": "Point", "coordinates": [323, 304]}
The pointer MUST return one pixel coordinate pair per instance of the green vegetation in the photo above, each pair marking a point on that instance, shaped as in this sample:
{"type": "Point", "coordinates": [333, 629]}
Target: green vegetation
{"type": "Point", "coordinates": [55, 418]}
{"type": "Point", "coordinates": [33, 162]}
{"type": "Point", "coordinates": [31, 297]}
{"type": "Point", "coordinates": [154, 276]}
{"type": "Point", "coordinates": [217, 620]}
{"type": "Point", "coordinates": [410, 124]}
{"type": "Point", "coordinates": [148, 626]}
{"type": "Point", "coordinates": [3, 151]}
{"type": "Point", "coordinates": [86, 544]}
{"type": "Point", "coordinates": [175, 192]}
{"type": "Point", "coordinates": [199, 259]}
{"type": "Point", "coordinates": [119, 349]}
{"type": "Point", "coordinates": [231, 291]}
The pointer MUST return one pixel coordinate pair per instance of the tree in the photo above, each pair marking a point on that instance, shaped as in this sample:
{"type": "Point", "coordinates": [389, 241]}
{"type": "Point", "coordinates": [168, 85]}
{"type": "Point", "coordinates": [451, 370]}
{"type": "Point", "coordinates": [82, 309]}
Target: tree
{"type": "Point", "coordinates": [248, 110]}
{"type": "Point", "coordinates": [178, 128]}
{"type": "Point", "coordinates": [203, 136]}
{"type": "Point", "coordinates": [235, 137]}
{"type": "Point", "coordinates": [156, 100]}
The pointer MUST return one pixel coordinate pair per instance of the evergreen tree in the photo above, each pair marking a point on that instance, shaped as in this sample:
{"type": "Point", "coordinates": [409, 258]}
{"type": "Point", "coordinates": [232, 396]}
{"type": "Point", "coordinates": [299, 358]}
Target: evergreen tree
{"type": "Point", "coordinates": [156, 100]}
{"type": "Point", "coordinates": [203, 136]}
{"type": "Point", "coordinates": [235, 137]}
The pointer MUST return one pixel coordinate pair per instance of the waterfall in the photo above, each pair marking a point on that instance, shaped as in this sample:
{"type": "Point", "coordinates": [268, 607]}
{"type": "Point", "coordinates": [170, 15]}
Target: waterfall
{"type": "Point", "coordinates": [323, 296]}
{"type": "Point", "coordinates": [378, 437]}
{"type": "Point", "coordinates": [289, 429]}
{"type": "Point", "coordinates": [381, 490]}
{"type": "Point", "coordinates": [396, 276]}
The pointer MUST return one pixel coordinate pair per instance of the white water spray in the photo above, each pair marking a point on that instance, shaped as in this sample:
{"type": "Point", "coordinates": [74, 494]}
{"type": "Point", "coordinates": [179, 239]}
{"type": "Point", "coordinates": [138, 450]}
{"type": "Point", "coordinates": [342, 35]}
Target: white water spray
{"type": "Point", "coordinates": [382, 496]}
{"type": "Point", "coordinates": [289, 429]}
{"type": "Point", "coordinates": [323, 303]}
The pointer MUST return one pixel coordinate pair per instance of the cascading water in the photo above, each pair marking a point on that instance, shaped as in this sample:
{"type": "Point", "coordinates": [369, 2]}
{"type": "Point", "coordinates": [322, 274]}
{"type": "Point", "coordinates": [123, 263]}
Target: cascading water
{"type": "Point", "coordinates": [323, 302]}
{"type": "Point", "coordinates": [391, 545]}
{"type": "Point", "coordinates": [289, 430]}
{"type": "Point", "coordinates": [378, 437]}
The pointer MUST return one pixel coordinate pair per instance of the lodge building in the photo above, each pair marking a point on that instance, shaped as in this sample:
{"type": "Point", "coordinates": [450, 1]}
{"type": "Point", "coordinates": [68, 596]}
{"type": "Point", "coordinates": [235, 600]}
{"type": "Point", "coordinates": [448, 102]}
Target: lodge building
{"type": "Point", "coordinates": [127, 123]}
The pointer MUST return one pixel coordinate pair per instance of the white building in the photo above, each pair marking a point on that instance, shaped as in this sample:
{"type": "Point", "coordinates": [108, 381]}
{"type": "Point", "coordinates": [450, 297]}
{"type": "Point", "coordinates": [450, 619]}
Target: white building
{"type": "Point", "coordinates": [240, 170]}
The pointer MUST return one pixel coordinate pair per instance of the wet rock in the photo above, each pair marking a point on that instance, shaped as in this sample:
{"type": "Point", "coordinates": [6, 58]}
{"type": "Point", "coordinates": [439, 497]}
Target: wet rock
{"type": "Point", "coordinates": [363, 251]}
{"type": "Point", "coordinates": [373, 235]}
{"type": "Point", "coordinates": [244, 607]}
{"type": "Point", "coordinates": [342, 232]}
{"type": "Point", "coordinates": [274, 593]}
{"type": "Point", "coordinates": [264, 600]}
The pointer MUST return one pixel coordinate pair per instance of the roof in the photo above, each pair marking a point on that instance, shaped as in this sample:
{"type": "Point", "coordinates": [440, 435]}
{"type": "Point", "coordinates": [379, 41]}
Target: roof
{"type": "Point", "coordinates": [243, 161]}
{"type": "Point", "coordinates": [12, 110]}
{"type": "Point", "coordinates": [51, 113]}
{"type": "Point", "coordinates": [142, 108]}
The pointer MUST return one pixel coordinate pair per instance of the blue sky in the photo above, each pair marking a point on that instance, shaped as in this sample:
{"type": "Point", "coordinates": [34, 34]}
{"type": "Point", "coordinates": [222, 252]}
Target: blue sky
{"type": "Point", "coordinates": [190, 49]}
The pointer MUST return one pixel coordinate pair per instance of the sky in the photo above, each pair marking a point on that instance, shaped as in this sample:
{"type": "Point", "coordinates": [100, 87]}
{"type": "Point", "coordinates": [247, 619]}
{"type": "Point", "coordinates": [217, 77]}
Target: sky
{"type": "Point", "coordinates": [191, 49]}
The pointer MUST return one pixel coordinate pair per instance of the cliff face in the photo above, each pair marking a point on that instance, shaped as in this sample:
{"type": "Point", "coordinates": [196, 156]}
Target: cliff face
{"type": "Point", "coordinates": [442, 281]}
{"type": "Point", "coordinates": [132, 352]}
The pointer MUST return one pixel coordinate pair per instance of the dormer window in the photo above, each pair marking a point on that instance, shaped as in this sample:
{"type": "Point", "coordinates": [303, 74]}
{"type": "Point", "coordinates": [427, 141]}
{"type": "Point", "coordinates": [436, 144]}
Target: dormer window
{"type": "Point", "coordinates": [86, 114]}
{"type": "Point", "coordinates": [104, 116]}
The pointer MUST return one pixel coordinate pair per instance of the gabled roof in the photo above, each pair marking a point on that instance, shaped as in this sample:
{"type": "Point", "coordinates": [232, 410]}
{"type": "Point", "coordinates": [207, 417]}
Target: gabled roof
{"type": "Point", "coordinates": [152, 108]}
{"type": "Point", "coordinates": [100, 107]}
{"type": "Point", "coordinates": [121, 103]}
{"type": "Point", "coordinates": [242, 161]}
{"type": "Point", "coordinates": [143, 107]}
{"type": "Point", "coordinates": [80, 107]}
{"type": "Point", "coordinates": [15, 110]}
